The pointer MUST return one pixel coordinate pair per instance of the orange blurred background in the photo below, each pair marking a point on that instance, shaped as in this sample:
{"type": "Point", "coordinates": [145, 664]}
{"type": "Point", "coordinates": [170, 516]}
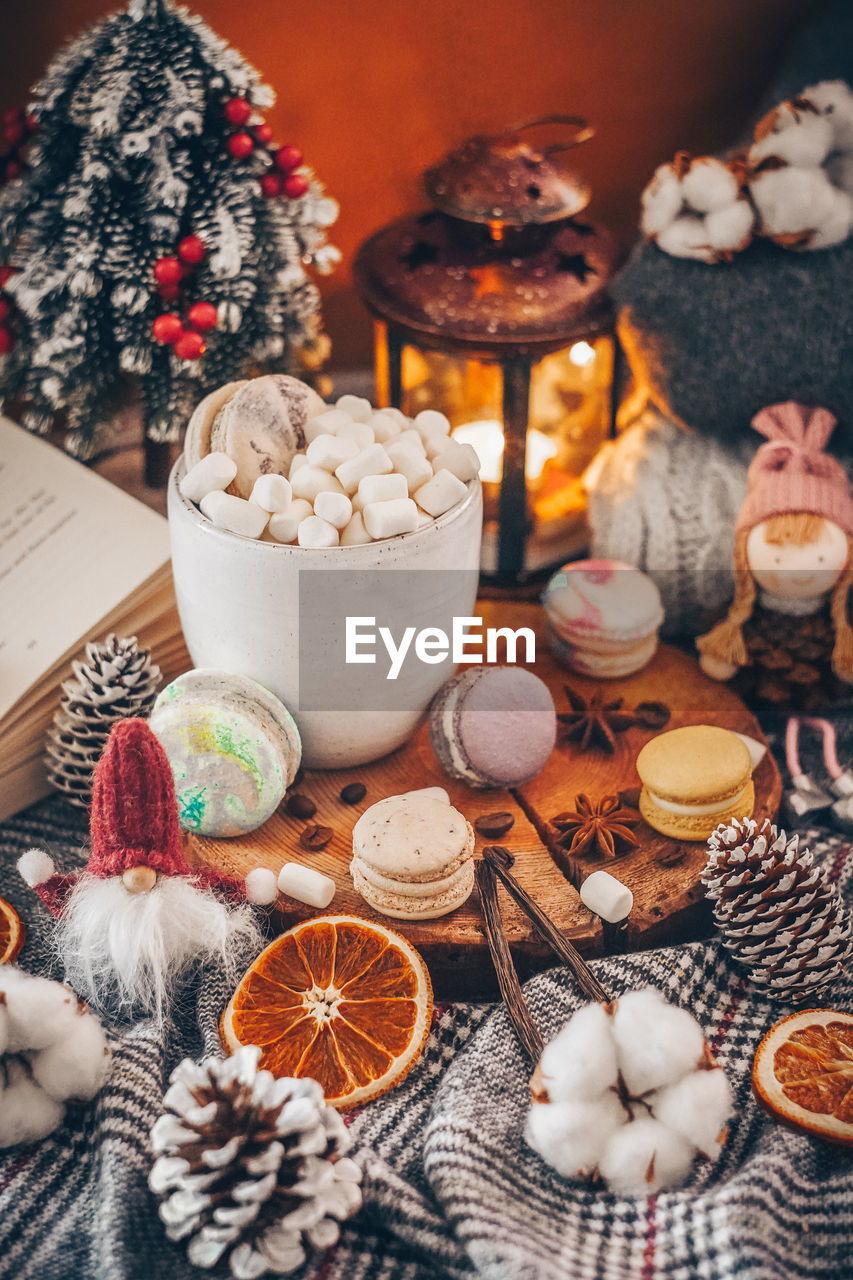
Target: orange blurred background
{"type": "Point", "coordinates": [375, 90]}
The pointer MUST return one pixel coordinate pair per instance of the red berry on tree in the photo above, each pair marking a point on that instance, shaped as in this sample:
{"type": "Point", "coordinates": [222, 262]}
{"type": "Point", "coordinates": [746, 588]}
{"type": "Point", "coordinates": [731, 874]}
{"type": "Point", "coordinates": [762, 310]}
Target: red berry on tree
{"type": "Point", "coordinates": [168, 327]}
{"type": "Point", "coordinates": [270, 185]}
{"type": "Point", "coordinates": [288, 158]}
{"type": "Point", "coordinates": [13, 170]}
{"type": "Point", "coordinates": [192, 250]}
{"type": "Point", "coordinates": [14, 132]}
{"type": "Point", "coordinates": [241, 145]}
{"type": "Point", "coordinates": [295, 185]}
{"type": "Point", "coordinates": [5, 309]}
{"type": "Point", "coordinates": [10, 114]}
{"type": "Point", "coordinates": [189, 346]}
{"type": "Point", "coordinates": [237, 110]}
{"type": "Point", "coordinates": [31, 123]}
{"type": "Point", "coordinates": [6, 273]}
{"type": "Point", "coordinates": [167, 270]}
{"type": "Point", "coordinates": [169, 292]}
{"type": "Point", "coordinates": [263, 134]}
{"type": "Point", "coordinates": [202, 315]}
{"type": "Point", "coordinates": [7, 339]}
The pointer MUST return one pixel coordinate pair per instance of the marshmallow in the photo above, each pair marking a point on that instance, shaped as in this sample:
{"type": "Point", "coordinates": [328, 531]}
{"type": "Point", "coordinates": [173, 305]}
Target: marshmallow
{"type": "Point", "coordinates": [328, 452]}
{"type": "Point", "coordinates": [271, 493]}
{"type": "Point", "coordinates": [606, 896]}
{"type": "Point", "coordinates": [335, 508]}
{"type": "Point", "coordinates": [410, 463]}
{"type": "Point", "coordinates": [215, 471]}
{"type": "Point", "coordinates": [440, 493]}
{"type": "Point", "coordinates": [327, 423]}
{"type": "Point", "coordinates": [359, 432]}
{"type": "Point", "coordinates": [306, 885]}
{"type": "Point", "coordinates": [355, 534]}
{"type": "Point", "coordinates": [461, 459]}
{"type": "Point", "coordinates": [413, 438]}
{"type": "Point", "coordinates": [237, 515]}
{"type": "Point", "coordinates": [387, 519]}
{"type": "Point", "coordinates": [299, 460]}
{"type": "Point", "coordinates": [314, 532]}
{"type": "Point", "coordinates": [434, 445]}
{"type": "Point", "coordinates": [372, 461]}
{"type": "Point", "coordinates": [429, 422]}
{"type": "Point", "coordinates": [359, 409]}
{"type": "Point", "coordinates": [309, 481]}
{"type": "Point", "coordinates": [283, 526]}
{"type": "Point", "coordinates": [382, 488]}
{"type": "Point", "coordinates": [385, 426]}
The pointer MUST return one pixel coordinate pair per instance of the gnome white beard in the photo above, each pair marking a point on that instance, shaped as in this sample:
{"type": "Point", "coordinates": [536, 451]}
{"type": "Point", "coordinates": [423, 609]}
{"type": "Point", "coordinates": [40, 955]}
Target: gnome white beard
{"type": "Point", "coordinates": [131, 949]}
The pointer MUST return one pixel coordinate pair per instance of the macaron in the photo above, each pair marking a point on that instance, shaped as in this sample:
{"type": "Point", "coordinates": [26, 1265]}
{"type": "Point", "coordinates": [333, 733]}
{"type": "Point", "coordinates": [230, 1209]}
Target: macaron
{"type": "Point", "coordinates": [262, 425]}
{"type": "Point", "coordinates": [233, 748]}
{"type": "Point", "coordinates": [413, 856]}
{"type": "Point", "coordinates": [493, 726]}
{"type": "Point", "coordinates": [693, 779]}
{"type": "Point", "coordinates": [197, 438]}
{"type": "Point", "coordinates": [603, 617]}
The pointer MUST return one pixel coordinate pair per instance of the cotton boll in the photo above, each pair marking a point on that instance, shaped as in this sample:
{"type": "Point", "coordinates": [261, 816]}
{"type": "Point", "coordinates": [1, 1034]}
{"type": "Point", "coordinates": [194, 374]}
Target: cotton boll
{"type": "Point", "coordinates": [800, 203]}
{"type": "Point", "coordinates": [571, 1136]}
{"type": "Point", "coordinates": [656, 1042]}
{"type": "Point", "coordinates": [4, 1029]}
{"type": "Point", "coordinates": [580, 1062]}
{"type": "Point", "coordinates": [77, 1064]}
{"type": "Point", "coordinates": [730, 229]}
{"type": "Point", "coordinates": [834, 101]}
{"type": "Point", "coordinates": [27, 1113]}
{"type": "Point", "coordinates": [709, 184]}
{"type": "Point", "coordinates": [839, 169]}
{"type": "Point", "coordinates": [697, 1107]}
{"type": "Point", "coordinates": [798, 136]}
{"type": "Point", "coordinates": [661, 201]}
{"type": "Point", "coordinates": [642, 1157]}
{"type": "Point", "coordinates": [39, 1010]}
{"type": "Point", "coordinates": [687, 237]}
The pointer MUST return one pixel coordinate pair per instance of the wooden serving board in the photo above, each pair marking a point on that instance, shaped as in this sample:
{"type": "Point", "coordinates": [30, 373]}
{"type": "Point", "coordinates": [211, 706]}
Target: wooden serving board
{"type": "Point", "coordinates": [662, 874]}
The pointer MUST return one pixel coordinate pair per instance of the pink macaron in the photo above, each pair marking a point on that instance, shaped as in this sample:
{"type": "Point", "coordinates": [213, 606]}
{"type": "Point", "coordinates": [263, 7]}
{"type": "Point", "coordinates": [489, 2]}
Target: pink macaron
{"type": "Point", "coordinates": [493, 726]}
{"type": "Point", "coordinates": [603, 617]}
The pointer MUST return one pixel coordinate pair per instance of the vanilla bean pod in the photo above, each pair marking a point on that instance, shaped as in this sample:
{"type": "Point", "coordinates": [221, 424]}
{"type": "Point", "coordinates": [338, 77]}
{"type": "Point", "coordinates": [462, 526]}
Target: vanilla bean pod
{"type": "Point", "coordinates": [513, 997]}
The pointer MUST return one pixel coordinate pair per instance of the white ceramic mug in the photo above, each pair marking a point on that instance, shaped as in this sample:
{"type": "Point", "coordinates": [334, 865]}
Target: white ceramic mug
{"type": "Point", "coordinates": [238, 600]}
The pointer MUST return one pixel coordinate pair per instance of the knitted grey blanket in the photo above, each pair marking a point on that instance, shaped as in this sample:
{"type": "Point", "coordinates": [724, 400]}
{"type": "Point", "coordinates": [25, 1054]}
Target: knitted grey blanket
{"type": "Point", "coordinates": [450, 1188]}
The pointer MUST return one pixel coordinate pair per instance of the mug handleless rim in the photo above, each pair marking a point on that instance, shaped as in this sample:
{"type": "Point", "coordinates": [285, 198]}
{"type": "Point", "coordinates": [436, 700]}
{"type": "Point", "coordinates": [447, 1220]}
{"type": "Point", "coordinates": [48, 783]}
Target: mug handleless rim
{"type": "Point", "coordinates": [366, 550]}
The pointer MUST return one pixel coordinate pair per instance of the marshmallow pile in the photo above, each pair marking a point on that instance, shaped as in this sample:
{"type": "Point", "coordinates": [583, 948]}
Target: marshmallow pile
{"type": "Point", "coordinates": [629, 1092]}
{"type": "Point", "coordinates": [794, 185]}
{"type": "Point", "coordinates": [363, 475]}
{"type": "Point", "coordinates": [52, 1051]}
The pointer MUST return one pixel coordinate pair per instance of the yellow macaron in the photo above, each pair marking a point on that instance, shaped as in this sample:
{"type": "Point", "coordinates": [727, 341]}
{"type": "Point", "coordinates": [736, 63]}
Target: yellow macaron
{"type": "Point", "coordinates": [693, 779]}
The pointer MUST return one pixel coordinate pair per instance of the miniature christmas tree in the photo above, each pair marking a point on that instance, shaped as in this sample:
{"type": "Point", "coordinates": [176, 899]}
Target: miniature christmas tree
{"type": "Point", "coordinates": [155, 239]}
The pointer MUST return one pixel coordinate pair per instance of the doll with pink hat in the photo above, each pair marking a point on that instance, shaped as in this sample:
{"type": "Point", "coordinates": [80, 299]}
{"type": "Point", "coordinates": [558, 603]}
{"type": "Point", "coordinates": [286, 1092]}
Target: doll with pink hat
{"type": "Point", "coordinates": [787, 635]}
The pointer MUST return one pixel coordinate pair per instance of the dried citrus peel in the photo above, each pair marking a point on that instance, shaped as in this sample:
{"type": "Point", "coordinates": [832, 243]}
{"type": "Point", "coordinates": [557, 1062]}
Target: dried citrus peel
{"type": "Point", "coordinates": [12, 932]}
{"type": "Point", "coordinates": [803, 1073]}
{"type": "Point", "coordinates": [337, 998]}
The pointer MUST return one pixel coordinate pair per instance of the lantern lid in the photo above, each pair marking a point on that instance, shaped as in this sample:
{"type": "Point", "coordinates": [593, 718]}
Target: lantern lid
{"type": "Point", "coordinates": [454, 292]}
{"type": "Point", "coordinates": [507, 180]}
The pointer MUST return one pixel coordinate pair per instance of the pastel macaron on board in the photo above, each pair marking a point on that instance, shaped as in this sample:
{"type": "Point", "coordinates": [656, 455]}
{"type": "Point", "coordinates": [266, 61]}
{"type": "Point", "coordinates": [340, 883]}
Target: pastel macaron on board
{"type": "Point", "coordinates": [413, 855]}
{"type": "Point", "coordinates": [233, 748]}
{"type": "Point", "coordinates": [693, 779]}
{"type": "Point", "coordinates": [603, 617]}
{"type": "Point", "coordinates": [493, 726]}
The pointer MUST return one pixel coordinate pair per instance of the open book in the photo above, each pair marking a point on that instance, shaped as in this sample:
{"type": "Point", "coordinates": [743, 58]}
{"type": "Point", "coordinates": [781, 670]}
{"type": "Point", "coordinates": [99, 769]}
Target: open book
{"type": "Point", "coordinates": [78, 558]}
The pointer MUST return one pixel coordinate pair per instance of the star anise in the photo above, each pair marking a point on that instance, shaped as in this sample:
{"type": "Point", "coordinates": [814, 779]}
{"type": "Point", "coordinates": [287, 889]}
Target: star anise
{"type": "Point", "coordinates": [597, 826]}
{"type": "Point", "coordinates": [592, 723]}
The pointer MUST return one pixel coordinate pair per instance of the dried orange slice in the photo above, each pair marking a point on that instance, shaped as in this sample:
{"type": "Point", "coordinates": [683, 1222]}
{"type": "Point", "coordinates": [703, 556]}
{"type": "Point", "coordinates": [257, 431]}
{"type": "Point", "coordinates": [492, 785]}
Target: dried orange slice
{"type": "Point", "coordinates": [337, 998]}
{"type": "Point", "coordinates": [11, 932]}
{"type": "Point", "coordinates": [803, 1073]}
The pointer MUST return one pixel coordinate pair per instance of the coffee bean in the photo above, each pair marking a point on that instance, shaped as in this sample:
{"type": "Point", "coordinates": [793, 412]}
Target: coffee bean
{"type": "Point", "coordinates": [299, 806]}
{"type": "Point", "coordinates": [630, 796]}
{"type": "Point", "coordinates": [353, 793]}
{"type": "Point", "coordinates": [300, 777]}
{"type": "Point", "coordinates": [493, 825]}
{"type": "Point", "coordinates": [315, 838]}
{"type": "Point", "coordinates": [652, 715]}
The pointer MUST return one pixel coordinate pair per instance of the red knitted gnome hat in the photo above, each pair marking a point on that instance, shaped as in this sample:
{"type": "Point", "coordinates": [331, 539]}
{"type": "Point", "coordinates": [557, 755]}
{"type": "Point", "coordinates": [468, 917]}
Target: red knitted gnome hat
{"type": "Point", "coordinates": [134, 818]}
{"type": "Point", "coordinates": [791, 472]}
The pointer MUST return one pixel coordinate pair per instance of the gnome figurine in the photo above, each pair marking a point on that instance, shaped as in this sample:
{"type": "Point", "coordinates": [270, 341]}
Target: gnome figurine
{"type": "Point", "coordinates": [137, 917]}
{"type": "Point", "coordinates": [787, 637]}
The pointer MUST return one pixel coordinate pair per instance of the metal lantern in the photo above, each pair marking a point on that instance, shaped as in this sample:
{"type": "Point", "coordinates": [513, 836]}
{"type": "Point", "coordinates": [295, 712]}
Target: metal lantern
{"type": "Point", "coordinates": [493, 308]}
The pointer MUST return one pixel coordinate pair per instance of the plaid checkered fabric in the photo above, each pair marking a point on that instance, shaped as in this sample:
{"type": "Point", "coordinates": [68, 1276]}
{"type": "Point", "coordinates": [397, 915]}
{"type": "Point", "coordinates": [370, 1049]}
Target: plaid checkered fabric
{"type": "Point", "coordinates": [451, 1191]}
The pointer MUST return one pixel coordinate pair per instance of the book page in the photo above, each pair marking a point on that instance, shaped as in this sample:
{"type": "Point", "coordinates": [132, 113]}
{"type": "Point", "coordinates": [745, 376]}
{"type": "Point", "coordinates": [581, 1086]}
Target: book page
{"type": "Point", "coordinates": [72, 547]}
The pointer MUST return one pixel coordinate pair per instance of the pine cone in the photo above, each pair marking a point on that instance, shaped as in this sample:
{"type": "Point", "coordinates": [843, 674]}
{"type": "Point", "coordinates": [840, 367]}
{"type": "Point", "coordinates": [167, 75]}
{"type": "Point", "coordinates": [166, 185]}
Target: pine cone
{"type": "Point", "coordinates": [116, 681]}
{"type": "Point", "coordinates": [776, 910]}
{"type": "Point", "coordinates": [250, 1165]}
